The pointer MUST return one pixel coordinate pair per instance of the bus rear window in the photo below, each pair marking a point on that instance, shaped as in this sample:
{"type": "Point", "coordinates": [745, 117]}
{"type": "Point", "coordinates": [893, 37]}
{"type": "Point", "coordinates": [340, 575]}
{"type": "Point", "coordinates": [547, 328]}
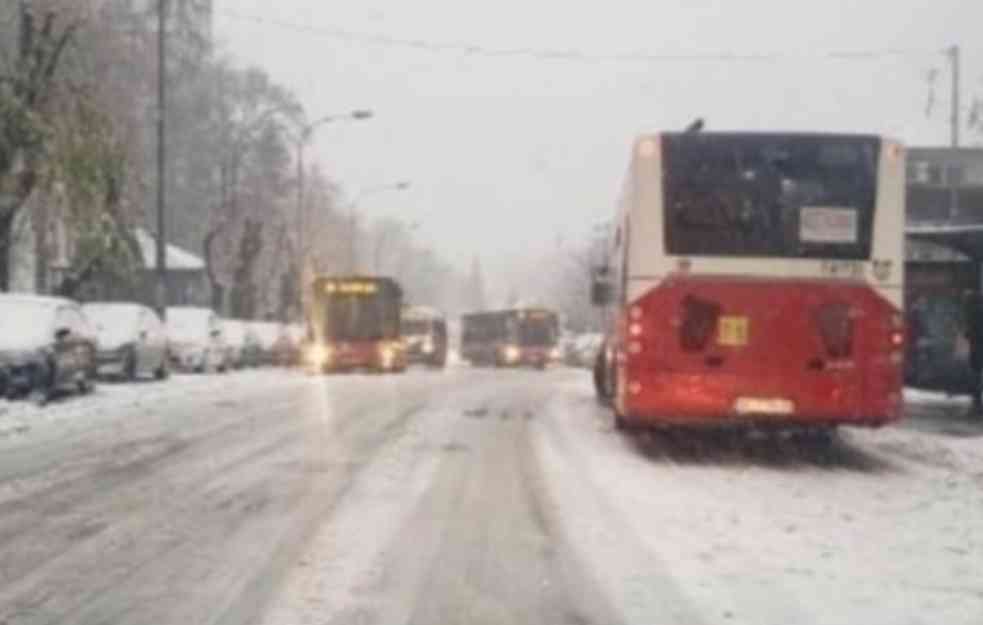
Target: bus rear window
{"type": "Point", "coordinates": [769, 195]}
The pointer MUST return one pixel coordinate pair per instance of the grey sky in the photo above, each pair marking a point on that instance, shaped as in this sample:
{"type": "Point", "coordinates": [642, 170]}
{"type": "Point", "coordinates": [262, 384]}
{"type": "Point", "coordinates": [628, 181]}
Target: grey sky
{"type": "Point", "coordinates": [504, 153]}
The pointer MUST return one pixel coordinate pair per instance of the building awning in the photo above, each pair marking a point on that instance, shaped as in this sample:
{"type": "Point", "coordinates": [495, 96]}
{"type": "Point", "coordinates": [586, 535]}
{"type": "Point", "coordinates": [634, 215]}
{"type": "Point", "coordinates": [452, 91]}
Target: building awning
{"type": "Point", "coordinates": [965, 238]}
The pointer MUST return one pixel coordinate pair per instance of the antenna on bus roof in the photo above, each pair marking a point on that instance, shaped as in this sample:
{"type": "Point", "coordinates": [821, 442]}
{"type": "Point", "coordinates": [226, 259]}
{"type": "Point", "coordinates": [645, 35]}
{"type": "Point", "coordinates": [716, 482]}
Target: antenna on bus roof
{"type": "Point", "coordinates": [695, 126]}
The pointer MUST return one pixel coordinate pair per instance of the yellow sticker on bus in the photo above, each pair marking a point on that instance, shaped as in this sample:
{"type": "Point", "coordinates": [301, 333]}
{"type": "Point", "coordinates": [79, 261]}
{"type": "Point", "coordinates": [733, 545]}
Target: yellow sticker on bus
{"type": "Point", "coordinates": [733, 331]}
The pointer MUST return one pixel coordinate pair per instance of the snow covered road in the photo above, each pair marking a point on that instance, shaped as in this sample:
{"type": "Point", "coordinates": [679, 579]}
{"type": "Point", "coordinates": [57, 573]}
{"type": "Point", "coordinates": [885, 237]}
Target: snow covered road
{"type": "Point", "coordinates": [469, 496]}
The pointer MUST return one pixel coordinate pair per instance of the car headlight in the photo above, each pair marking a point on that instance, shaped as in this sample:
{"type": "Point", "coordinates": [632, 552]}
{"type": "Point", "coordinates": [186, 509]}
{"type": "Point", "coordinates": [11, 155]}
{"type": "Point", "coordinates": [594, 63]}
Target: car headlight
{"type": "Point", "coordinates": [555, 353]}
{"type": "Point", "coordinates": [511, 353]}
{"type": "Point", "coordinates": [428, 346]}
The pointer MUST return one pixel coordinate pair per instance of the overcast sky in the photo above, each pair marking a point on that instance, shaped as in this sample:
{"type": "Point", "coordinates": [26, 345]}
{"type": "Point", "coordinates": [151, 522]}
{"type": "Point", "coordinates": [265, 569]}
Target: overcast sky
{"type": "Point", "coordinates": [505, 154]}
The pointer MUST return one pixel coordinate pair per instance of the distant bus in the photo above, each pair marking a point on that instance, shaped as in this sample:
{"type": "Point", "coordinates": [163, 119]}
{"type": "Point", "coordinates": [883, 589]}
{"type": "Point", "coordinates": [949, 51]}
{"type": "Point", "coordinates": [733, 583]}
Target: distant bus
{"type": "Point", "coordinates": [756, 279]}
{"type": "Point", "coordinates": [424, 333]}
{"type": "Point", "coordinates": [511, 338]}
{"type": "Point", "coordinates": [354, 323]}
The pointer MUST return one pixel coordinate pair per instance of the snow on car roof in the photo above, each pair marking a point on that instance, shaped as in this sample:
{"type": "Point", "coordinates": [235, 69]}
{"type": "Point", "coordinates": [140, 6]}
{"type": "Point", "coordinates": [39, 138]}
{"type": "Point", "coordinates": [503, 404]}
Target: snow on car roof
{"type": "Point", "coordinates": [183, 316]}
{"type": "Point", "coordinates": [266, 331]}
{"type": "Point", "coordinates": [112, 317]}
{"type": "Point", "coordinates": [27, 320]}
{"type": "Point", "coordinates": [39, 300]}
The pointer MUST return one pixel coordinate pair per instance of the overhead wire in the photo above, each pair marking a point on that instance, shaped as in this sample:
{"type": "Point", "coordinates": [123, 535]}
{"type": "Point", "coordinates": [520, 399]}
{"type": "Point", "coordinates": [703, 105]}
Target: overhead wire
{"type": "Point", "coordinates": [562, 54]}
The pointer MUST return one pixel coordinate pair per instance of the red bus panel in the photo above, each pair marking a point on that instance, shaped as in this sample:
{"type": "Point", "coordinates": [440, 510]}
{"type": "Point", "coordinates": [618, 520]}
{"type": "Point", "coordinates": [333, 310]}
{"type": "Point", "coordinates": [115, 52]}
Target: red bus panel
{"type": "Point", "coordinates": [701, 350]}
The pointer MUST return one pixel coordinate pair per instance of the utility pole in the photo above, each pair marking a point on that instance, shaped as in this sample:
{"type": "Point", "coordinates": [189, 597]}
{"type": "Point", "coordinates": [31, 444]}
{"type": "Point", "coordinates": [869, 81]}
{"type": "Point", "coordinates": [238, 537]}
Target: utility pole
{"type": "Point", "coordinates": [301, 216]}
{"type": "Point", "coordinates": [953, 53]}
{"type": "Point", "coordinates": [161, 157]}
{"type": "Point", "coordinates": [949, 170]}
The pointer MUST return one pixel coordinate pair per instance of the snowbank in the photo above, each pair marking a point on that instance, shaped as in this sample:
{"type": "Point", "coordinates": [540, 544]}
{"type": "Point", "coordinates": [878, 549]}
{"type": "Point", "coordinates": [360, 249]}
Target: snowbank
{"type": "Point", "coordinates": [115, 401]}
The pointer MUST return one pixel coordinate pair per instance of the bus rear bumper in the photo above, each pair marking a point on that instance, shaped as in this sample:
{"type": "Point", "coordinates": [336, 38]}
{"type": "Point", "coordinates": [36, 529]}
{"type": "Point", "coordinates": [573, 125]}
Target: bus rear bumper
{"type": "Point", "coordinates": [680, 400]}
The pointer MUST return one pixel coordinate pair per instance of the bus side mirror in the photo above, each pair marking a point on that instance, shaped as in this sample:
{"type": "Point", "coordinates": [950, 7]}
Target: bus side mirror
{"type": "Point", "coordinates": [601, 292]}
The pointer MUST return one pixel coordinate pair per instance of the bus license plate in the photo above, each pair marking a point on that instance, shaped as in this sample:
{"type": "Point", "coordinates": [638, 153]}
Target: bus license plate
{"type": "Point", "coordinates": [763, 406]}
{"type": "Point", "coordinates": [732, 331]}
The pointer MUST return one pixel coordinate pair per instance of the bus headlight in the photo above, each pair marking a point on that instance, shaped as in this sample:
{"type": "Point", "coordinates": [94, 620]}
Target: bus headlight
{"type": "Point", "coordinates": [318, 355]}
{"type": "Point", "coordinates": [511, 353]}
{"type": "Point", "coordinates": [387, 354]}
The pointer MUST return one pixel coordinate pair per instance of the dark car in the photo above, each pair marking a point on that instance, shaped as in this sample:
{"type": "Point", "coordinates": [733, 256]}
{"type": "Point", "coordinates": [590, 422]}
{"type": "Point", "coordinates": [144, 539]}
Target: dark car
{"type": "Point", "coordinates": [46, 345]}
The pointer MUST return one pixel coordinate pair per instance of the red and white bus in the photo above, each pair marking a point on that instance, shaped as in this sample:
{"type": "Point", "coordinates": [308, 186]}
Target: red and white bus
{"type": "Point", "coordinates": [756, 279]}
{"type": "Point", "coordinates": [354, 323]}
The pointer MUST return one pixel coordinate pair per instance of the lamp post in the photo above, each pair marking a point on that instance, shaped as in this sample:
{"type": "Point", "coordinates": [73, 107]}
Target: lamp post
{"type": "Point", "coordinates": [352, 207]}
{"type": "Point", "coordinates": [304, 135]}
{"type": "Point", "coordinates": [384, 239]}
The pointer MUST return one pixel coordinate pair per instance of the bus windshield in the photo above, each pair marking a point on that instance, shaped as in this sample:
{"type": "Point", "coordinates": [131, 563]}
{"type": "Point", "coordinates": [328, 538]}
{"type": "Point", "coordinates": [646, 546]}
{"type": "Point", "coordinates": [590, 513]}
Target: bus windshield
{"type": "Point", "coordinates": [360, 317]}
{"type": "Point", "coordinates": [537, 332]}
{"type": "Point", "coordinates": [536, 329]}
{"type": "Point", "coordinates": [788, 196]}
{"type": "Point", "coordinates": [416, 327]}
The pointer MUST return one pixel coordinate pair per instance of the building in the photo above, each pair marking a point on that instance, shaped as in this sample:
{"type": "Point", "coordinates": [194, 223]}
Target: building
{"type": "Point", "coordinates": [945, 185]}
{"type": "Point", "coordinates": [187, 282]}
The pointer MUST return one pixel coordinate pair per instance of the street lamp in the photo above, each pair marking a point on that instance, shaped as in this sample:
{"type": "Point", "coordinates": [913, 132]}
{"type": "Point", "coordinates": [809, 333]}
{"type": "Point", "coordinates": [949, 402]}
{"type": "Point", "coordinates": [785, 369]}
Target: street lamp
{"type": "Point", "coordinates": [380, 245]}
{"type": "Point", "coordinates": [303, 136]}
{"type": "Point", "coordinates": [353, 205]}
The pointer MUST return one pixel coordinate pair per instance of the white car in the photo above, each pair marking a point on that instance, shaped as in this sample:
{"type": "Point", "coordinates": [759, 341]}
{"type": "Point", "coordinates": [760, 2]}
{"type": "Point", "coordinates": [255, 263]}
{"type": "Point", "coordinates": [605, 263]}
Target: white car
{"type": "Point", "coordinates": [235, 334]}
{"type": "Point", "coordinates": [267, 333]}
{"type": "Point", "coordinates": [131, 340]}
{"type": "Point", "coordinates": [195, 340]}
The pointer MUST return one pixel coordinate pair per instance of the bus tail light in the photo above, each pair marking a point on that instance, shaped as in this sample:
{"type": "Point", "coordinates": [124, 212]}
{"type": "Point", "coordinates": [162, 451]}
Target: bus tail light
{"type": "Point", "coordinates": [836, 329]}
{"type": "Point", "coordinates": [699, 323]}
{"type": "Point", "coordinates": [898, 332]}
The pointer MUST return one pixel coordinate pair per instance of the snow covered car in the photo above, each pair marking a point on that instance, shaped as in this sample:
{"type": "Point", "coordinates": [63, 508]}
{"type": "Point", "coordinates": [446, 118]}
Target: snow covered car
{"type": "Point", "coordinates": [45, 346]}
{"type": "Point", "coordinates": [267, 333]}
{"type": "Point", "coordinates": [131, 340]}
{"type": "Point", "coordinates": [241, 344]}
{"type": "Point", "coordinates": [286, 351]}
{"type": "Point", "coordinates": [195, 340]}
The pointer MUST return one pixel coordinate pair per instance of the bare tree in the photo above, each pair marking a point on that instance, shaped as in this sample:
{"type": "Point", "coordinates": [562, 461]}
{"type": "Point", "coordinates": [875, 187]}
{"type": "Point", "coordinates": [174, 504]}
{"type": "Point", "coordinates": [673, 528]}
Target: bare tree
{"type": "Point", "coordinates": [29, 82]}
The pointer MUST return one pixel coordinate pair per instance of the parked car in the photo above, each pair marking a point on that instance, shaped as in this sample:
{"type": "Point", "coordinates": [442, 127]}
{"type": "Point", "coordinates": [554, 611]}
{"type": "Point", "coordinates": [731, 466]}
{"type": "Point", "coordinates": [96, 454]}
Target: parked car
{"type": "Point", "coordinates": [131, 340]}
{"type": "Point", "coordinates": [241, 343]}
{"type": "Point", "coordinates": [195, 340]}
{"type": "Point", "coordinates": [267, 333]}
{"type": "Point", "coordinates": [46, 345]}
{"type": "Point", "coordinates": [286, 350]}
